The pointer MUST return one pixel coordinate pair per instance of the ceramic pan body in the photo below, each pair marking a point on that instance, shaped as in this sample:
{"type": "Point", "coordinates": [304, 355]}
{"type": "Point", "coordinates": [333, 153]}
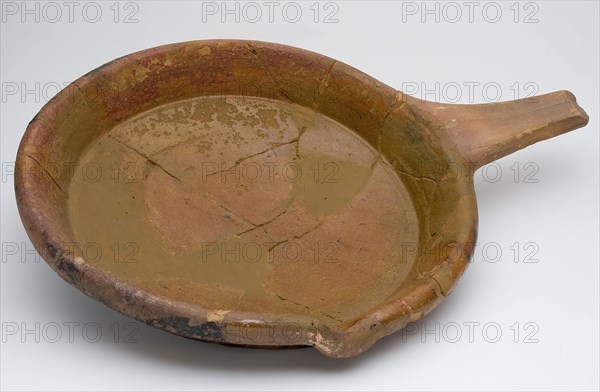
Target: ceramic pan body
{"type": "Point", "coordinates": [250, 194]}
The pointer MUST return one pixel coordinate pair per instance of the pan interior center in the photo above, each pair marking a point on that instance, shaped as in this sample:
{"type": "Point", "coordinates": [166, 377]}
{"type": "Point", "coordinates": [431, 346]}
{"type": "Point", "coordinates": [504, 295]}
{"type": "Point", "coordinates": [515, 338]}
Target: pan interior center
{"type": "Point", "coordinates": [242, 203]}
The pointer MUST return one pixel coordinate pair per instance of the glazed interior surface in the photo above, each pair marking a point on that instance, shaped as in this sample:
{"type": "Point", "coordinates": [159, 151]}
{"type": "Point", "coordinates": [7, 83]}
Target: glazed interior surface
{"type": "Point", "coordinates": [245, 203]}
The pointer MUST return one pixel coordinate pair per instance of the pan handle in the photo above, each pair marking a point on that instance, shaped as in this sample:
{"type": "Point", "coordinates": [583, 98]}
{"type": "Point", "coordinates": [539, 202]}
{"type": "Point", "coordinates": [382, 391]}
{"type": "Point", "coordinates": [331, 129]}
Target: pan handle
{"type": "Point", "coordinates": [485, 132]}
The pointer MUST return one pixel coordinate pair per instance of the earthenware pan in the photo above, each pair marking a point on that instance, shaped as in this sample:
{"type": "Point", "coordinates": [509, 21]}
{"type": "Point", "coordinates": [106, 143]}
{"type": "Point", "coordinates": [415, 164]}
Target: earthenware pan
{"type": "Point", "coordinates": [259, 195]}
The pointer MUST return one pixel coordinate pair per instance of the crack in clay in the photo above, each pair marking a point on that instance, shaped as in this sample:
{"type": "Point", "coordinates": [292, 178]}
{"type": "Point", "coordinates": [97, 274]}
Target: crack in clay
{"type": "Point", "coordinates": [247, 231]}
{"type": "Point", "coordinates": [297, 141]}
{"type": "Point", "coordinates": [80, 283]}
{"type": "Point", "coordinates": [150, 160]}
{"type": "Point", "coordinates": [380, 135]}
{"type": "Point", "coordinates": [297, 237]}
{"type": "Point", "coordinates": [47, 172]}
{"type": "Point", "coordinates": [414, 177]}
{"type": "Point", "coordinates": [179, 144]}
{"type": "Point", "coordinates": [240, 160]}
{"type": "Point", "coordinates": [274, 147]}
{"type": "Point", "coordinates": [390, 109]}
{"type": "Point", "coordinates": [308, 308]}
{"type": "Point", "coordinates": [323, 83]}
{"type": "Point", "coordinates": [331, 317]}
{"type": "Point", "coordinates": [439, 285]}
{"type": "Point", "coordinates": [260, 226]}
{"type": "Point", "coordinates": [435, 185]}
{"type": "Point", "coordinates": [254, 53]}
{"type": "Point", "coordinates": [297, 145]}
{"type": "Point", "coordinates": [207, 197]}
{"type": "Point", "coordinates": [292, 301]}
{"type": "Point", "coordinates": [451, 214]}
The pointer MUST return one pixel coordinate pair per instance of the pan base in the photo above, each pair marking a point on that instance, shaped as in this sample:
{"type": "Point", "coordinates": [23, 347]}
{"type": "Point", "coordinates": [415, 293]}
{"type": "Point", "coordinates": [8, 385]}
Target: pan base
{"type": "Point", "coordinates": [247, 204]}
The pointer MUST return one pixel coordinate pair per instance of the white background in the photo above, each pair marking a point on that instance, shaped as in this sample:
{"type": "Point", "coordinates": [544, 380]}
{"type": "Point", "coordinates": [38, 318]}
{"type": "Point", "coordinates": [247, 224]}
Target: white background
{"type": "Point", "coordinates": [558, 296]}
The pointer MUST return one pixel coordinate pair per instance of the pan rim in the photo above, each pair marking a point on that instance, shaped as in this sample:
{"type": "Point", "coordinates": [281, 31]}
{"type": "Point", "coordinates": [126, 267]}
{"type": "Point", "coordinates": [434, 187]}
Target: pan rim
{"type": "Point", "coordinates": [193, 320]}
